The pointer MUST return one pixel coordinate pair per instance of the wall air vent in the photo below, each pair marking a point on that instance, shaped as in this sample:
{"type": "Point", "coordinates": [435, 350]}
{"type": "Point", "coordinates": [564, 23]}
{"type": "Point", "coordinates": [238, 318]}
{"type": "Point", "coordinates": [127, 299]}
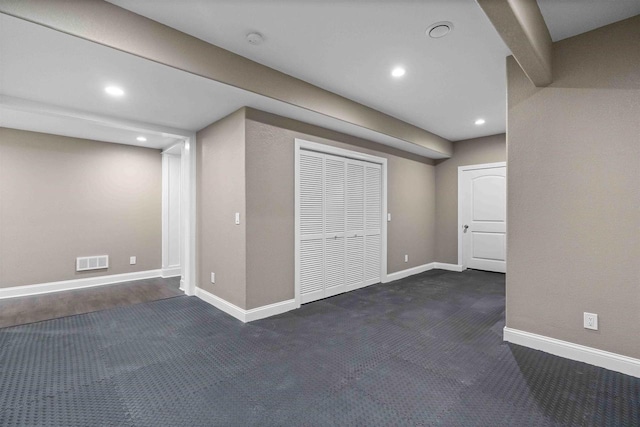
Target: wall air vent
{"type": "Point", "coordinates": [99, 262]}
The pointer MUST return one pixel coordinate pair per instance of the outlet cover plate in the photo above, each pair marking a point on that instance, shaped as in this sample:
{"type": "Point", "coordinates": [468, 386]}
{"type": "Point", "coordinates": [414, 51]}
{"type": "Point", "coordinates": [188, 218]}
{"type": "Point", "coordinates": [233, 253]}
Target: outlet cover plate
{"type": "Point", "coordinates": [591, 321]}
{"type": "Point", "coordinates": [132, 260]}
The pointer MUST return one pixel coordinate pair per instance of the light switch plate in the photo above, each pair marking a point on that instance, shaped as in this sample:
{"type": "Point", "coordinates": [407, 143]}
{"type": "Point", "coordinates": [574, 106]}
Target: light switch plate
{"type": "Point", "coordinates": [132, 260]}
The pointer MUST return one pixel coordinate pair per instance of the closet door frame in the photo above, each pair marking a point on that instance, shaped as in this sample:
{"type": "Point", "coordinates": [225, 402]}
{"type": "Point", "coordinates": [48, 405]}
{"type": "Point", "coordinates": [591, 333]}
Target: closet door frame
{"type": "Point", "coordinates": [301, 144]}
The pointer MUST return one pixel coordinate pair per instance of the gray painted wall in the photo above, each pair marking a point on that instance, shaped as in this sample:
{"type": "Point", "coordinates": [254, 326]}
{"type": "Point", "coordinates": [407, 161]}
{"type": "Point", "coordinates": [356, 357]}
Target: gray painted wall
{"type": "Point", "coordinates": [61, 198]}
{"type": "Point", "coordinates": [221, 244]}
{"type": "Point", "coordinates": [488, 149]}
{"type": "Point", "coordinates": [270, 203]}
{"type": "Point", "coordinates": [574, 192]}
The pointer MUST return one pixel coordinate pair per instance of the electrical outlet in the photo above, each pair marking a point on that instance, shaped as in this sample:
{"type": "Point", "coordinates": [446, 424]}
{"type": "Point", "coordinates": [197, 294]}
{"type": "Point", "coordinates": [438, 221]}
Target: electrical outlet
{"type": "Point", "coordinates": [237, 218]}
{"type": "Point", "coordinates": [406, 258]}
{"type": "Point", "coordinates": [591, 321]}
{"type": "Point", "coordinates": [213, 277]}
{"type": "Point", "coordinates": [132, 260]}
{"type": "Point", "coordinates": [388, 217]}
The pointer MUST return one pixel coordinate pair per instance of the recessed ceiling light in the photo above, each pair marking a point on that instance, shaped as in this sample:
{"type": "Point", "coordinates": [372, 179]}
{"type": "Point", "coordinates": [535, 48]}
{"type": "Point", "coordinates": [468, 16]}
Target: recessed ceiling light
{"type": "Point", "coordinates": [398, 72]}
{"type": "Point", "coordinates": [480, 122]}
{"type": "Point", "coordinates": [255, 38]}
{"type": "Point", "coordinates": [439, 29]}
{"type": "Point", "coordinates": [141, 138]}
{"type": "Point", "coordinates": [114, 91]}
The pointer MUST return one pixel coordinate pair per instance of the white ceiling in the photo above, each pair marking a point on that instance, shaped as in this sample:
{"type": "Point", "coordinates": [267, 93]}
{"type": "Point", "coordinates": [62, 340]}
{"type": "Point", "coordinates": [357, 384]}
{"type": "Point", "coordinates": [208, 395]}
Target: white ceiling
{"type": "Point", "coordinates": [69, 126]}
{"type": "Point", "coordinates": [350, 47]}
{"type": "Point", "coordinates": [567, 18]}
{"type": "Point", "coordinates": [53, 82]}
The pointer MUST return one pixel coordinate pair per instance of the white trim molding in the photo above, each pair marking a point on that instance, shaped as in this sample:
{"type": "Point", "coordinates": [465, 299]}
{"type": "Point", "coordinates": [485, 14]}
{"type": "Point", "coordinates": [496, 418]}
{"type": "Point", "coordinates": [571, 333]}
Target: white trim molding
{"type": "Point", "coordinates": [67, 285]}
{"type": "Point", "coordinates": [270, 310]}
{"type": "Point", "coordinates": [409, 272]}
{"type": "Point", "coordinates": [246, 315]}
{"type": "Point", "coordinates": [603, 359]}
{"type": "Point", "coordinates": [421, 269]}
{"type": "Point", "coordinates": [171, 272]}
{"type": "Point", "coordinates": [448, 267]}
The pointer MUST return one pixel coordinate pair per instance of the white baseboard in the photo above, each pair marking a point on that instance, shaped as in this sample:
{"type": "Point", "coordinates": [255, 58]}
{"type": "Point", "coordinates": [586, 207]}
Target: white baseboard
{"type": "Point", "coordinates": [450, 267]}
{"type": "Point", "coordinates": [604, 359]}
{"type": "Point", "coordinates": [182, 284]}
{"type": "Point", "coordinates": [171, 272]}
{"type": "Point", "coordinates": [242, 314]}
{"type": "Point", "coordinates": [66, 285]}
{"type": "Point", "coordinates": [409, 272]}
{"type": "Point", "coordinates": [421, 269]}
{"type": "Point", "coordinates": [220, 304]}
{"type": "Point", "coordinates": [270, 310]}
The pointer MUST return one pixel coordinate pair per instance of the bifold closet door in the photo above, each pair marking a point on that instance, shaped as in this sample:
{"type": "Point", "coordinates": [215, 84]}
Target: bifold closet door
{"type": "Point", "coordinates": [340, 221]}
{"type": "Point", "coordinates": [334, 224]}
{"type": "Point", "coordinates": [311, 257]}
{"type": "Point", "coordinates": [355, 224]}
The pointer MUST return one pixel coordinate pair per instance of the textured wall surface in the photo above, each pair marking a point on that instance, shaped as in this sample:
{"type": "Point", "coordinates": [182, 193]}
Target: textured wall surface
{"type": "Point", "coordinates": [62, 198]}
{"type": "Point", "coordinates": [220, 178]}
{"type": "Point", "coordinates": [574, 192]}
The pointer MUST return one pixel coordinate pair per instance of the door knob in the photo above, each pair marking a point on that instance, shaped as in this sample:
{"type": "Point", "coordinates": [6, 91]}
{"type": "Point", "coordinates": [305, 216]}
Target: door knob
{"type": "Point", "coordinates": [464, 227]}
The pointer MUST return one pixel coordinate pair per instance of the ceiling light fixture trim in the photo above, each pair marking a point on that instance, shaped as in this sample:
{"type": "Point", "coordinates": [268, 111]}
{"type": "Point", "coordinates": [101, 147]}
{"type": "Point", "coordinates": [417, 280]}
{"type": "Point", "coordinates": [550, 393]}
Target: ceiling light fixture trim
{"type": "Point", "coordinates": [255, 38]}
{"type": "Point", "coordinates": [439, 29]}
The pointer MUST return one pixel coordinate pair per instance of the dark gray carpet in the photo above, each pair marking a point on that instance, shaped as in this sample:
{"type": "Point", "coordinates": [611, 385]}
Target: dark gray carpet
{"type": "Point", "coordinates": [426, 350]}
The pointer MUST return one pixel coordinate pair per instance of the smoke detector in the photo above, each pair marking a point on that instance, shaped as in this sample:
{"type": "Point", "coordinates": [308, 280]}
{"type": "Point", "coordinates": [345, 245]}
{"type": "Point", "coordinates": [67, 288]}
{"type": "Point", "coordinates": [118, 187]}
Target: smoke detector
{"type": "Point", "coordinates": [255, 38]}
{"type": "Point", "coordinates": [439, 29]}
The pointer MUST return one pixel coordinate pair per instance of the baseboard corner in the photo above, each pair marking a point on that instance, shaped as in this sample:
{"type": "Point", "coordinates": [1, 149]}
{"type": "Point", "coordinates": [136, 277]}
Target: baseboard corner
{"type": "Point", "coordinates": [246, 315]}
{"type": "Point", "coordinates": [449, 267]}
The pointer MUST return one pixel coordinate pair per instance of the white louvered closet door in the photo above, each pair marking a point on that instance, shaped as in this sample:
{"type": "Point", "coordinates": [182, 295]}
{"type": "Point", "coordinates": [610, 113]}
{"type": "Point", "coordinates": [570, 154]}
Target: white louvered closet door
{"type": "Point", "coordinates": [355, 224]}
{"type": "Point", "coordinates": [373, 223]}
{"type": "Point", "coordinates": [340, 224]}
{"type": "Point", "coordinates": [311, 226]}
{"type": "Point", "coordinates": [334, 225]}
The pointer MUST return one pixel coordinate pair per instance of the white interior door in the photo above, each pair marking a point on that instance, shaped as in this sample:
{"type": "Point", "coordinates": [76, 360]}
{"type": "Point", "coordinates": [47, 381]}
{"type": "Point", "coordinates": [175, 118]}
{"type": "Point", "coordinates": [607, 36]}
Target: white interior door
{"type": "Point", "coordinates": [340, 209]}
{"type": "Point", "coordinates": [172, 211]}
{"type": "Point", "coordinates": [483, 217]}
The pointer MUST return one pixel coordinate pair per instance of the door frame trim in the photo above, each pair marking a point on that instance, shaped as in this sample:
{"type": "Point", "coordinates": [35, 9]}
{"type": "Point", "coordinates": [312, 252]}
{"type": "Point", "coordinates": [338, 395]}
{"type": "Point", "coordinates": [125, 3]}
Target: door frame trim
{"type": "Point", "coordinates": [462, 169]}
{"type": "Point", "coordinates": [301, 144]}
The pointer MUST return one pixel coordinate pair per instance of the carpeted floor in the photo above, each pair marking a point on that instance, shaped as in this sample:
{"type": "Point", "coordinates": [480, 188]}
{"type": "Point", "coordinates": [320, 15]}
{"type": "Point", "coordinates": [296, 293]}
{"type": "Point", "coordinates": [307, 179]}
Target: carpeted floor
{"type": "Point", "coordinates": [36, 308]}
{"type": "Point", "coordinates": [426, 350]}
